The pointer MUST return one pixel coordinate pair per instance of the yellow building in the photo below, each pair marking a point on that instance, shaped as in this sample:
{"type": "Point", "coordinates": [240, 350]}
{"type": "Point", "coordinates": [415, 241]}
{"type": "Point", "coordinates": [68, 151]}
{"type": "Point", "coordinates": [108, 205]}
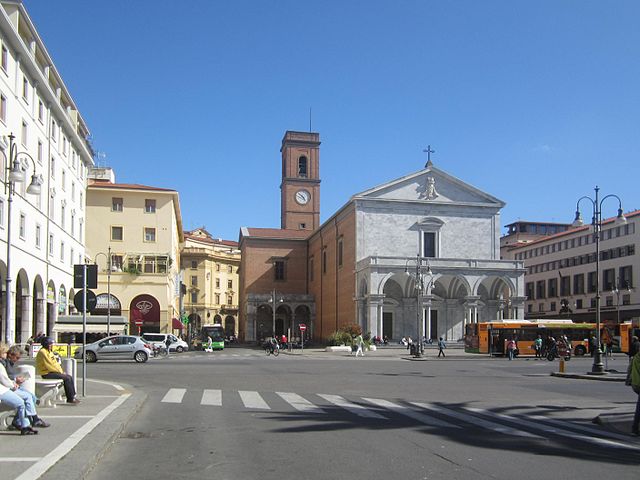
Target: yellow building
{"type": "Point", "coordinates": [210, 275]}
{"type": "Point", "coordinates": [141, 227]}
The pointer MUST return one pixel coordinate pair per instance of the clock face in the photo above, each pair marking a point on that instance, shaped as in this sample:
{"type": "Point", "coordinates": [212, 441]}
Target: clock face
{"type": "Point", "coordinates": [302, 197]}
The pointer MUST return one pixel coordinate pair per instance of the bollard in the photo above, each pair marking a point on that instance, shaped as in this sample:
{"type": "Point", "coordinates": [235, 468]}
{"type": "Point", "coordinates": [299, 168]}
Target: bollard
{"type": "Point", "coordinates": [29, 372]}
{"type": "Point", "coordinates": [562, 365]}
{"type": "Point", "coordinates": [69, 366]}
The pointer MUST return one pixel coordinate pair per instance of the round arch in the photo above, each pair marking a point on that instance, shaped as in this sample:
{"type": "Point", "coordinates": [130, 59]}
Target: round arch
{"type": "Point", "coordinates": [144, 309]}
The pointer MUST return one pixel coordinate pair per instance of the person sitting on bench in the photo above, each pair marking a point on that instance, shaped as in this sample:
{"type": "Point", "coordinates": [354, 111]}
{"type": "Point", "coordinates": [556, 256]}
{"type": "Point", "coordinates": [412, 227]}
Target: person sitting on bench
{"type": "Point", "coordinates": [48, 367]}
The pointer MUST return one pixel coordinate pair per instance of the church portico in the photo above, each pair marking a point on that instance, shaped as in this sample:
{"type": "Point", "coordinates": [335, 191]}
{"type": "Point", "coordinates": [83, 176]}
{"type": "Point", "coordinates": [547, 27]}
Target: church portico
{"type": "Point", "coordinates": [454, 292]}
{"type": "Point", "coordinates": [291, 311]}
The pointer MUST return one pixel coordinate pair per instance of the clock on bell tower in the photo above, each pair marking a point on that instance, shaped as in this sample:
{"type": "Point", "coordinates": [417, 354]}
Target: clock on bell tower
{"type": "Point", "coordinates": [300, 187]}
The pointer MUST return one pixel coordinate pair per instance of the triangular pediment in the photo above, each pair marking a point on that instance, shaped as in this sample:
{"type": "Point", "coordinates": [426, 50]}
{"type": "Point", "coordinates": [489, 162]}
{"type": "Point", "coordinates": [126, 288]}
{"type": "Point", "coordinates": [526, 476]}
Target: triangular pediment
{"type": "Point", "coordinates": [430, 185]}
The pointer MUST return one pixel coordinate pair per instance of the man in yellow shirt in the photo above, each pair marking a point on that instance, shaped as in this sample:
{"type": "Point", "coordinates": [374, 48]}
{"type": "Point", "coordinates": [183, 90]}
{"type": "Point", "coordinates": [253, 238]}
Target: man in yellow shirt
{"type": "Point", "coordinates": [48, 367]}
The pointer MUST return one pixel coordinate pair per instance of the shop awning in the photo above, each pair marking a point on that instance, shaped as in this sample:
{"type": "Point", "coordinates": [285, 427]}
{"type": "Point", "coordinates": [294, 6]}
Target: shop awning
{"type": "Point", "coordinates": [95, 324]}
{"type": "Point", "coordinates": [176, 324]}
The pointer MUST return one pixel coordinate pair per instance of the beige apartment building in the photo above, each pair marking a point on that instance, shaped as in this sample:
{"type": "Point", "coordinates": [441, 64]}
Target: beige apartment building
{"type": "Point", "coordinates": [560, 278]}
{"type": "Point", "coordinates": [141, 226]}
{"type": "Point", "coordinates": [210, 275]}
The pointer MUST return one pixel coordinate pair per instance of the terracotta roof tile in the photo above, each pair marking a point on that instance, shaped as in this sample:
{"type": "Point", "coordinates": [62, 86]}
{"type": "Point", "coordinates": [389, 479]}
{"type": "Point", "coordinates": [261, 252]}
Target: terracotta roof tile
{"type": "Point", "coordinates": [278, 233]}
{"type": "Point", "coordinates": [126, 186]}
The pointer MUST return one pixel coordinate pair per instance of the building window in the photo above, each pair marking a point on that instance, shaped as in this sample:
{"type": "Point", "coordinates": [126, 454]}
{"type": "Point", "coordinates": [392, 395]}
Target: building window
{"type": "Point", "coordinates": [117, 233]}
{"type": "Point", "coordinates": [553, 287]}
{"type": "Point", "coordinates": [565, 286]}
{"type": "Point", "coordinates": [540, 291]}
{"type": "Point", "coordinates": [230, 299]}
{"type": "Point", "coordinates": [194, 297]}
{"type": "Point", "coordinates": [530, 308]}
{"type": "Point", "coordinates": [541, 307]}
{"type": "Point", "coordinates": [608, 279]}
{"type": "Point", "coordinates": [54, 130]}
{"type": "Point", "coordinates": [217, 297]}
{"type": "Point", "coordinates": [38, 235]}
{"type": "Point", "coordinates": [149, 206]}
{"type": "Point", "coordinates": [279, 269]}
{"type": "Point", "coordinates": [302, 226]}
{"type": "Point", "coordinates": [73, 224]}
{"type": "Point", "coordinates": [609, 300]}
{"type": "Point", "coordinates": [230, 268]}
{"type": "Point", "coordinates": [3, 108]}
{"type": "Point", "coordinates": [229, 284]}
{"type": "Point", "coordinates": [194, 280]}
{"type": "Point", "coordinates": [25, 88]}
{"type": "Point", "coordinates": [217, 267]}
{"type": "Point", "coordinates": [39, 155]}
{"type": "Point", "coordinates": [217, 283]}
{"type": "Point", "coordinates": [625, 277]}
{"type": "Point", "coordinates": [5, 59]}
{"type": "Point", "coordinates": [626, 299]}
{"type": "Point", "coordinates": [311, 269]}
{"type": "Point", "coordinates": [302, 167]}
{"type": "Point", "coordinates": [552, 308]}
{"type": "Point", "coordinates": [23, 225]}
{"type": "Point", "coordinates": [429, 244]}
{"type": "Point", "coordinates": [71, 253]}
{"type": "Point", "coordinates": [116, 262]}
{"type": "Point", "coordinates": [51, 244]}
{"type": "Point", "coordinates": [62, 251]}
{"type": "Point", "coordinates": [324, 261]}
{"type": "Point", "coordinates": [24, 133]}
{"type": "Point", "coordinates": [578, 284]}
{"type": "Point", "coordinates": [81, 230]}
{"type": "Point", "coordinates": [63, 215]}
{"type": "Point", "coordinates": [149, 234]}
{"type": "Point", "coordinates": [117, 204]}
{"type": "Point", "coordinates": [194, 264]}
{"type": "Point", "coordinates": [340, 250]}
{"type": "Point", "coordinates": [40, 111]}
{"type": "Point", "coordinates": [52, 167]}
{"type": "Point", "coordinates": [64, 180]}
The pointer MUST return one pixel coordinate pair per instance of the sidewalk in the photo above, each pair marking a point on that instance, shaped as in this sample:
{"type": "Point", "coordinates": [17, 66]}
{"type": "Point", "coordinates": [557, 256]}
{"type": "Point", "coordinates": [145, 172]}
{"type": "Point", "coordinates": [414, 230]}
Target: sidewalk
{"type": "Point", "coordinates": [76, 439]}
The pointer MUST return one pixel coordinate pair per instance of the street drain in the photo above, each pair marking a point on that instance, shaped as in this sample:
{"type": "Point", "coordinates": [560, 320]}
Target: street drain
{"type": "Point", "coordinates": [134, 435]}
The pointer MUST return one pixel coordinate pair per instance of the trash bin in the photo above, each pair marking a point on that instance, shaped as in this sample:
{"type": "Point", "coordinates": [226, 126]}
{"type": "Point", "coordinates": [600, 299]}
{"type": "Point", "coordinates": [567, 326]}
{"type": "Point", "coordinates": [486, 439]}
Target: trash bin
{"type": "Point", "coordinates": [69, 366]}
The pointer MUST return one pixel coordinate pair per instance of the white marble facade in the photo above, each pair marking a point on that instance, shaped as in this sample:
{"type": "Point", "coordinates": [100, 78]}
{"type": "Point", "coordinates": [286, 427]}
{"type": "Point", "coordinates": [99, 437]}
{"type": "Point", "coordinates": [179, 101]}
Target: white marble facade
{"type": "Point", "coordinates": [451, 230]}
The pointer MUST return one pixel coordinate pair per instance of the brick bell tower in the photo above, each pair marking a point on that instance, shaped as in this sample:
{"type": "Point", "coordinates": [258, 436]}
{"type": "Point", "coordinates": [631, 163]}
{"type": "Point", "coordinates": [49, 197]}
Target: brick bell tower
{"type": "Point", "coordinates": [300, 187]}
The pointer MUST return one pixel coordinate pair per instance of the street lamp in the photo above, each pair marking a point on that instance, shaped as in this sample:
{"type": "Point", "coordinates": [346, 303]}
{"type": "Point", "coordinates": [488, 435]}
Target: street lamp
{"type": "Point", "coordinates": [15, 172]}
{"type": "Point", "coordinates": [273, 301]}
{"type": "Point", "coordinates": [422, 268]}
{"type": "Point", "coordinates": [596, 222]}
{"type": "Point", "coordinates": [109, 266]}
{"type": "Point", "coordinates": [618, 292]}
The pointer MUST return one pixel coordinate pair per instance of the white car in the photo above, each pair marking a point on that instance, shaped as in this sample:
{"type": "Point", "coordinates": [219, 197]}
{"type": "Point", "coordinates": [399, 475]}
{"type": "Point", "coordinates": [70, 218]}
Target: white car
{"type": "Point", "coordinates": [160, 339]}
{"type": "Point", "coordinates": [118, 347]}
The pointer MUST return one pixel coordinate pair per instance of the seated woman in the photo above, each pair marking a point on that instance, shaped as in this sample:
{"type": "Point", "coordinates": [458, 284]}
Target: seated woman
{"type": "Point", "coordinates": [10, 396]}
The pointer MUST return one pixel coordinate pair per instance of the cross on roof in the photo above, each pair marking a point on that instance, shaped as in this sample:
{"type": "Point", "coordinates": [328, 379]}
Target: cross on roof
{"type": "Point", "coordinates": [428, 151]}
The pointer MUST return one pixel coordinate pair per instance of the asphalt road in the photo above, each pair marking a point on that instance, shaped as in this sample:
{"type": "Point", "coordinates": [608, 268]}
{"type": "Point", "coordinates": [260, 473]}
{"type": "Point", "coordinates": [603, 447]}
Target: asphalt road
{"type": "Point", "coordinates": [241, 415]}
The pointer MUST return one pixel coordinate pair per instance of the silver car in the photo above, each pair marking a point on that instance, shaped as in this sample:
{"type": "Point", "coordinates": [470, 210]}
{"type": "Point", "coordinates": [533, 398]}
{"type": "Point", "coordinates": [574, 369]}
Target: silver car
{"type": "Point", "coordinates": [119, 347]}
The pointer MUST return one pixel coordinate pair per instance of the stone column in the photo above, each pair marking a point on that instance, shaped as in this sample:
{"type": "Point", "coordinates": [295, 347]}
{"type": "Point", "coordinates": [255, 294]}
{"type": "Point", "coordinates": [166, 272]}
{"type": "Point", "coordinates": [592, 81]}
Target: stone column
{"type": "Point", "coordinates": [41, 315]}
{"type": "Point", "coordinates": [427, 300]}
{"type": "Point", "coordinates": [374, 309]}
{"type": "Point", "coordinates": [25, 326]}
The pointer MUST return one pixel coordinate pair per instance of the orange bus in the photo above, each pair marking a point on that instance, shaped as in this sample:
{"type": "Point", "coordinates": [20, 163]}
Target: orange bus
{"type": "Point", "coordinates": [491, 337]}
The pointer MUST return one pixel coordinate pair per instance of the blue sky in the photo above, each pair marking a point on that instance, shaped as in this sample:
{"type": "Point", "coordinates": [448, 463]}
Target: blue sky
{"type": "Point", "coordinates": [532, 102]}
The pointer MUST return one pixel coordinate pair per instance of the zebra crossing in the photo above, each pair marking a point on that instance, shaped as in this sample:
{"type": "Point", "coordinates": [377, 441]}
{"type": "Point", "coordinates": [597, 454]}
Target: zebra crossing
{"type": "Point", "coordinates": [438, 416]}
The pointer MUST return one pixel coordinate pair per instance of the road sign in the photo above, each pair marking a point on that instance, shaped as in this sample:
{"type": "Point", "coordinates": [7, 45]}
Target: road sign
{"type": "Point", "coordinates": [78, 300]}
{"type": "Point", "coordinates": [138, 322]}
{"type": "Point", "coordinates": [92, 276]}
{"type": "Point", "coordinates": [303, 327]}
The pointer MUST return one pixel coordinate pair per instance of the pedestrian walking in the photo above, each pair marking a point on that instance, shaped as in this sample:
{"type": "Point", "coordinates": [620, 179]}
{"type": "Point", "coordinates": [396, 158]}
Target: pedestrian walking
{"type": "Point", "coordinates": [359, 345]}
{"type": "Point", "coordinates": [635, 385]}
{"type": "Point", "coordinates": [441, 346]}
{"type": "Point", "coordinates": [537, 346]}
{"type": "Point", "coordinates": [511, 348]}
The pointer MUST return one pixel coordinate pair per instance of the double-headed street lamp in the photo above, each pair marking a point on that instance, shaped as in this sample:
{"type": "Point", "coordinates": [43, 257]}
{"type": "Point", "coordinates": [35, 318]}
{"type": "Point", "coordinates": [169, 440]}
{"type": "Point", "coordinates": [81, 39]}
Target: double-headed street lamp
{"type": "Point", "coordinates": [15, 172]}
{"type": "Point", "coordinates": [596, 222]}
{"type": "Point", "coordinates": [422, 269]}
{"type": "Point", "coordinates": [108, 258]}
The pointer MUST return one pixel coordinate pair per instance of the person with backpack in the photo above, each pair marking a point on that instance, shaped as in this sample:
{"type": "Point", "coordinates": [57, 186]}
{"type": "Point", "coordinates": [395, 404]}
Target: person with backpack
{"type": "Point", "coordinates": [441, 346]}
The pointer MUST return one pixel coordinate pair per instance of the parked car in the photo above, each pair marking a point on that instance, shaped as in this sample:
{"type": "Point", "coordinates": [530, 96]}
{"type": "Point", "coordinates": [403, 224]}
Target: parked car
{"type": "Point", "coordinates": [119, 347]}
{"type": "Point", "coordinates": [176, 345]}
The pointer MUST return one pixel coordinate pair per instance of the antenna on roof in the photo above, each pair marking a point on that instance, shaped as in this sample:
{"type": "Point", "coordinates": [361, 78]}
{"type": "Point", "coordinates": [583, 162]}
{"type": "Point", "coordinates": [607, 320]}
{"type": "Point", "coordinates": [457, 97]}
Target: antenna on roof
{"type": "Point", "coordinates": [101, 159]}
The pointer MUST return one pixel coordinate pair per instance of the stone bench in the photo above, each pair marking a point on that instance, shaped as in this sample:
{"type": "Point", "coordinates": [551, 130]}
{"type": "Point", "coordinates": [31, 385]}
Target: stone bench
{"type": "Point", "coordinates": [49, 392]}
{"type": "Point", "coordinates": [6, 415]}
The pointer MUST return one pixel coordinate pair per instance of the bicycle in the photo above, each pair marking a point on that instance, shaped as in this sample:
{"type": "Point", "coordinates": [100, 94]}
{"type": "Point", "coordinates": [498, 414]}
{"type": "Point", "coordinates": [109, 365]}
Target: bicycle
{"type": "Point", "coordinates": [160, 350]}
{"type": "Point", "coordinates": [272, 349]}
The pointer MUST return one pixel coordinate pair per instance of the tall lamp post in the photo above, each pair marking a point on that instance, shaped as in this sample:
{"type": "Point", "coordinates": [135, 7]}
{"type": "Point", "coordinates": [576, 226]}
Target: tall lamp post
{"type": "Point", "coordinates": [15, 172]}
{"type": "Point", "coordinates": [618, 292]}
{"type": "Point", "coordinates": [108, 258]}
{"type": "Point", "coordinates": [273, 300]}
{"type": "Point", "coordinates": [596, 222]}
{"type": "Point", "coordinates": [422, 268]}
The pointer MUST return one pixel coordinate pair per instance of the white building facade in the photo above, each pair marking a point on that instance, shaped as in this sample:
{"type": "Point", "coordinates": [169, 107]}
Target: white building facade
{"type": "Point", "coordinates": [49, 141]}
{"type": "Point", "coordinates": [452, 231]}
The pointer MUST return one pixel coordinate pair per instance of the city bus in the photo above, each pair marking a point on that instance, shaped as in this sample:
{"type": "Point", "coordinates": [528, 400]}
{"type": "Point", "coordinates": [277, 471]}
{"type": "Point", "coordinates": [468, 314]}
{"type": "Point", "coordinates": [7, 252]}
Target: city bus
{"type": "Point", "coordinates": [216, 332]}
{"type": "Point", "coordinates": [491, 337]}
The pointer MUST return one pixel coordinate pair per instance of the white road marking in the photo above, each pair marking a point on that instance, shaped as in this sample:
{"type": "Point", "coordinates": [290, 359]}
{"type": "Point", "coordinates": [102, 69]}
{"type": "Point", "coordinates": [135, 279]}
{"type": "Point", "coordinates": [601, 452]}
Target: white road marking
{"type": "Point", "coordinates": [20, 459]}
{"type": "Point", "coordinates": [560, 432]}
{"type": "Point", "coordinates": [253, 400]}
{"type": "Point", "coordinates": [212, 397]}
{"type": "Point", "coordinates": [299, 403]}
{"type": "Point", "coordinates": [37, 470]}
{"type": "Point", "coordinates": [474, 420]}
{"type": "Point", "coordinates": [582, 428]}
{"type": "Point", "coordinates": [359, 410]}
{"type": "Point", "coordinates": [174, 395]}
{"type": "Point", "coordinates": [406, 411]}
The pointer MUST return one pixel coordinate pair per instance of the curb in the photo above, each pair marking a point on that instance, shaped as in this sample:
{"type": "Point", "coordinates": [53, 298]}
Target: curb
{"type": "Point", "coordinates": [77, 464]}
{"type": "Point", "coordinates": [601, 378]}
